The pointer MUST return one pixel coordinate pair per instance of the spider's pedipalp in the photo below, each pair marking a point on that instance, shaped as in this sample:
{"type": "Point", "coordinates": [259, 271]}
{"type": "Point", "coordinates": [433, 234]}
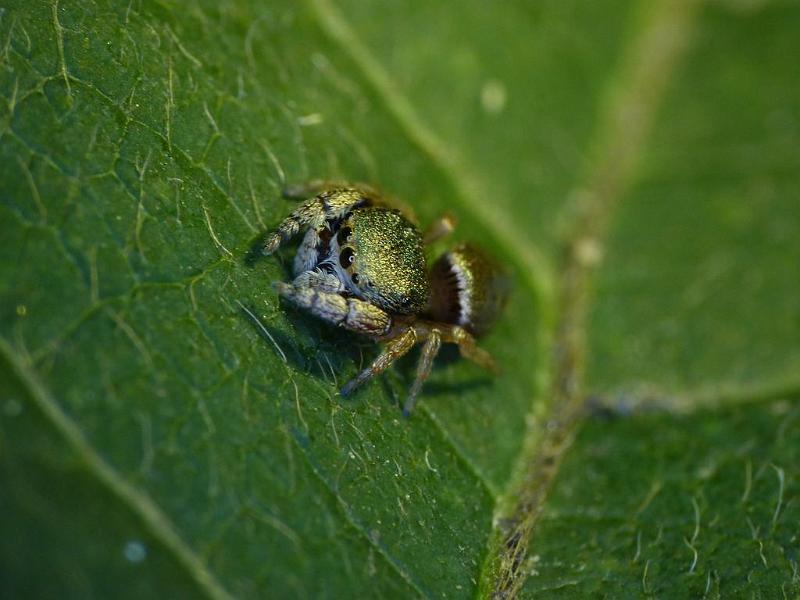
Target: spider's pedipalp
{"type": "Point", "coordinates": [352, 313]}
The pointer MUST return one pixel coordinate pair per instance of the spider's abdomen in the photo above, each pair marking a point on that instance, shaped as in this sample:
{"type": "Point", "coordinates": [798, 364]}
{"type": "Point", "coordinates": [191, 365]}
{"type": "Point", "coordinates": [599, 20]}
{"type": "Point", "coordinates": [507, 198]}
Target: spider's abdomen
{"type": "Point", "coordinates": [469, 289]}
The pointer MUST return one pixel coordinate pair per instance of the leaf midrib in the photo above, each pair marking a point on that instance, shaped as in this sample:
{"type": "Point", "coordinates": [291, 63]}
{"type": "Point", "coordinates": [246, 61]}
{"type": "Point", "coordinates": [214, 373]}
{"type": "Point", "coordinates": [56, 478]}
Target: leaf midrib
{"type": "Point", "coordinates": [649, 59]}
{"type": "Point", "coordinates": [634, 93]}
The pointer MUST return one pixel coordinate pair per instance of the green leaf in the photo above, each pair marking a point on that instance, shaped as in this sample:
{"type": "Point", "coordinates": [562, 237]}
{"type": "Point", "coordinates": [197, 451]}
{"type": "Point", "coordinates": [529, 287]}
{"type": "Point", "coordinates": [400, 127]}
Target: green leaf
{"type": "Point", "coordinates": [169, 429]}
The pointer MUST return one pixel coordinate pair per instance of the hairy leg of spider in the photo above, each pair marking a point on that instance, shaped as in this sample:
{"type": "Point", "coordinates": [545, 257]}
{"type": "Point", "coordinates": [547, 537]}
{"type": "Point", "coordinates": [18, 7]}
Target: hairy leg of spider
{"type": "Point", "coordinates": [352, 313]}
{"type": "Point", "coordinates": [429, 351]}
{"type": "Point", "coordinates": [393, 350]}
{"type": "Point", "coordinates": [307, 255]}
{"type": "Point", "coordinates": [318, 281]}
{"type": "Point", "coordinates": [374, 195]}
{"type": "Point", "coordinates": [329, 205]}
{"type": "Point", "coordinates": [441, 227]}
{"type": "Point", "coordinates": [468, 348]}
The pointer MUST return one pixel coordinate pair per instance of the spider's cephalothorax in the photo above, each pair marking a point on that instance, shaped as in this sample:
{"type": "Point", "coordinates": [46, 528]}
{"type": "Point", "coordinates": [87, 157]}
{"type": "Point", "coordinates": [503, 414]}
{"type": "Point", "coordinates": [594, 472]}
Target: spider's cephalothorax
{"type": "Point", "coordinates": [361, 265]}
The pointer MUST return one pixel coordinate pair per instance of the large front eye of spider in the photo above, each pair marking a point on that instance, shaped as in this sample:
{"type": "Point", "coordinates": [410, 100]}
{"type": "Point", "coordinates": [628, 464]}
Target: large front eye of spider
{"type": "Point", "coordinates": [347, 257]}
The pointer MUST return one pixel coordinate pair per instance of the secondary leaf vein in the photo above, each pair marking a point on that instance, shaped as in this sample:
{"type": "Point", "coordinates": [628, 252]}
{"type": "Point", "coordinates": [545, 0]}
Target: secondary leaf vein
{"type": "Point", "coordinates": [138, 502]}
{"type": "Point", "coordinates": [469, 187]}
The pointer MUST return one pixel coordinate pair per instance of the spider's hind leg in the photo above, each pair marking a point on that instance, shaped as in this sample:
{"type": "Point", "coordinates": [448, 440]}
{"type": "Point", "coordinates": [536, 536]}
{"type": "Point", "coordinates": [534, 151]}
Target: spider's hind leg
{"type": "Point", "coordinates": [434, 334]}
{"type": "Point", "coordinates": [429, 351]}
{"type": "Point", "coordinates": [468, 347]}
{"type": "Point", "coordinates": [393, 350]}
{"type": "Point", "coordinates": [440, 228]}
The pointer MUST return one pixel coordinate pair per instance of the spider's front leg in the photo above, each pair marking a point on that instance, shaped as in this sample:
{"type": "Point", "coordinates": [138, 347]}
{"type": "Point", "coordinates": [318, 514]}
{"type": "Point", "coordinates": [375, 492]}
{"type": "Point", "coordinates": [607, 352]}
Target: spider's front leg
{"type": "Point", "coordinates": [326, 206]}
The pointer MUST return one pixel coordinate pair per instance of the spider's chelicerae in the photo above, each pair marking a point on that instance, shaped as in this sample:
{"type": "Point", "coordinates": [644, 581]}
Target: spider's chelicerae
{"type": "Point", "coordinates": [361, 265]}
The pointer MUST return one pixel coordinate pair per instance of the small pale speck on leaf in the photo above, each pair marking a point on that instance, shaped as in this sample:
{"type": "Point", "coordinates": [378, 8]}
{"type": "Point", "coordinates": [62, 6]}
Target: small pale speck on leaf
{"type": "Point", "coordinates": [589, 252]}
{"type": "Point", "coordinates": [310, 120]}
{"type": "Point", "coordinates": [134, 551]}
{"type": "Point", "coordinates": [493, 96]}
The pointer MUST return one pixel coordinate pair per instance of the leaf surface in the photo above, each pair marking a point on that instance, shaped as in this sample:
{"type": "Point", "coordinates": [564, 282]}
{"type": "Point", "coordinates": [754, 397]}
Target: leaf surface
{"type": "Point", "coordinates": [169, 428]}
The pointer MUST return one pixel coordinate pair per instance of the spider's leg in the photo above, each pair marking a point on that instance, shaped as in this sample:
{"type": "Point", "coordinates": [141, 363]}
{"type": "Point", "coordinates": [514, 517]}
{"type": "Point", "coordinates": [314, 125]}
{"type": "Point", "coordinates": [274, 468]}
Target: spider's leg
{"type": "Point", "coordinates": [307, 256]}
{"type": "Point", "coordinates": [319, 281]}
{"type": "Point", "coordinates": [468, 348]}
{"type": "Point", "coordinates": [393, 350]}
{"type": "Point", "coordinates": [441, 227]}
{"type": "Point", "coordinates": [310, 214]}
{"type": "Point", "coordinates": [315, 296]}
{"type": "Point", "coordinates": [372, 195]}
{"type": "Point", "coordinates": [329, 205]}
{"type": "Point", "coordinates": [429, 351]}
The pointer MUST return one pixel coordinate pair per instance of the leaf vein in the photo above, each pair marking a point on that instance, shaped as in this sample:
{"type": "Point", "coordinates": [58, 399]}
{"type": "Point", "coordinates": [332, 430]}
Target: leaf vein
{"type": "Point", "coordinates": [469, 187]}
{"type": "Point", "coordinates": [156, 521]}
{"type": "Point", "coordinates": [647, 63]}
{"type": "Point", "coordinates": [351, 519]}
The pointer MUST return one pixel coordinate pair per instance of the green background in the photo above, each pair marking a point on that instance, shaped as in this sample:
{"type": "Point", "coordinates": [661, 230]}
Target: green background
{"type": "Point", "coordinates": [154, 441]}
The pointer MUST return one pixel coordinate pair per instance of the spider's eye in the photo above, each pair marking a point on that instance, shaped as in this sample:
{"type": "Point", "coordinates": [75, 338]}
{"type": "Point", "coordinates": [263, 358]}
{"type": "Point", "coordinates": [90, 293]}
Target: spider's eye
{"type": "Point", "coordinates": [347, 257]}
{"type": "Point", "coordinates": [354, 277]}
{"type": "Point", "coordinates": [344, 235]}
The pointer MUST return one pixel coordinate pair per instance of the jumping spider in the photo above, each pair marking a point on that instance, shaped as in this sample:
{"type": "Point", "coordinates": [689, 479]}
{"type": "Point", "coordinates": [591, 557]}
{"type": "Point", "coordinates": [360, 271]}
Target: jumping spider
{"type": "Point", "coordinates": [361, 265]}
